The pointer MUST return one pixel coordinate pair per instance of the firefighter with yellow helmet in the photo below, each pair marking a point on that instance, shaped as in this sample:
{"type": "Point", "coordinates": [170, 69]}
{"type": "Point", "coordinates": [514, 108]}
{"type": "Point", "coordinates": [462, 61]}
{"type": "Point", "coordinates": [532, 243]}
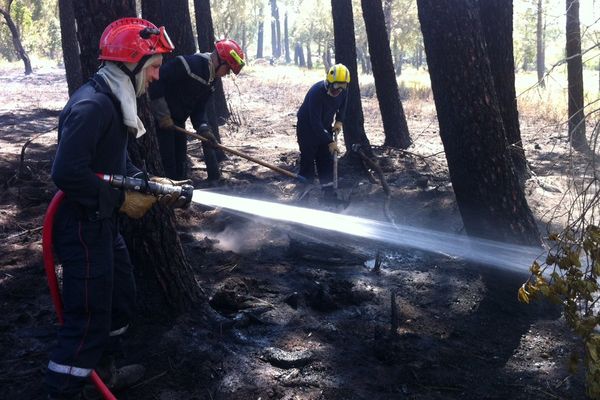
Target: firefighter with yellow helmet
{"type": "Point", "coordinates": [320, 116]}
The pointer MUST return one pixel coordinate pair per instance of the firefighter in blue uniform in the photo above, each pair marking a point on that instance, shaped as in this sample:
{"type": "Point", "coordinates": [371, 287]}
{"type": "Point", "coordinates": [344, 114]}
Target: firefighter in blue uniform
{"type": "Point", "coordinates": [325, 102]}
{"type": "Point", "coordinates": [183, 91]}
{"type": "Point", "coordinates": [98, 286]}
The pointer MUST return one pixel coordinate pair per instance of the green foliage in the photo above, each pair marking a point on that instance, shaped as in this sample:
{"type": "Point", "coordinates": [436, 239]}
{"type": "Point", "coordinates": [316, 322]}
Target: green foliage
{"type": "Point", "coordinates": [39, 28]}
{"type": "Point", "coordinates": [573, 283]}
{"type": "Point", "coordinates": [236, 19]}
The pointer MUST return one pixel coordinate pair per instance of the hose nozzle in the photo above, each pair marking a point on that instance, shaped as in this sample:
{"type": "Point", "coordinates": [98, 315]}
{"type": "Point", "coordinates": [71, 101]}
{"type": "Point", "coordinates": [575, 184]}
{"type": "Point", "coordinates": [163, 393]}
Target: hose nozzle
{"type": "Point", "coordinates": [150, 187]}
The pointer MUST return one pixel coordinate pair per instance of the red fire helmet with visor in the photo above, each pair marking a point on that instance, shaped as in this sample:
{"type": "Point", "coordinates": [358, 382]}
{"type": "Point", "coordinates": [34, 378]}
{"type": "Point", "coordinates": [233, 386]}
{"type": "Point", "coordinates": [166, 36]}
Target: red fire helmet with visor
{"type": "Point", "coordinates": [132, 40]}
{"type": "Point", "coordinates": [231, 53]}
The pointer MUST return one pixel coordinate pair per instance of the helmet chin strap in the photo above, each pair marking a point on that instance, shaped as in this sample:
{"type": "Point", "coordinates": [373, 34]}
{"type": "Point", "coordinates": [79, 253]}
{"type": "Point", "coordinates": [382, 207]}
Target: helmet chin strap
{"type": "Point", "coordinates": [132, 74]}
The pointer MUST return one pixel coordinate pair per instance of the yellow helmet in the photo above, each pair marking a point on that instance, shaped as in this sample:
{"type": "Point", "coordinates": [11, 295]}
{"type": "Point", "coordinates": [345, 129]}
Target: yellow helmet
{"type": "Point", "coordinates": [338, 74]}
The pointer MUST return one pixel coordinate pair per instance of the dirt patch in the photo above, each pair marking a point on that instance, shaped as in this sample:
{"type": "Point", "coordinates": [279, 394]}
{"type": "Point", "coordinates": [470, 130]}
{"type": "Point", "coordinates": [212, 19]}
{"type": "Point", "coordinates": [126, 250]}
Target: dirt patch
{"type": "Point", "coordinates": [290, 318]}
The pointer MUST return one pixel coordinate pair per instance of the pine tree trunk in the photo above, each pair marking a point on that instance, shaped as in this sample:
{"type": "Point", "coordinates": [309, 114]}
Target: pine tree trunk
{"type": "Point", "coordinates": [539, 38]}
{"type": "Point", "coordinates": [345, 53]}
{"type": "Point", "coordinates": [299, 55]}
{"type": "Point", "coordinates": [259, 40]}
{"type": "Point", "coordinates": [16, 39]}
{"type": "Point", "coordinates": [163, 273]}
{"type": "Point", "coordinates": [392, 112]}
{"type": "Point", "coordinates": [92, 17]}
{"type": "Point", "coordinates": [286, 39]}
{"type": "Point", "coordinates": [174, 15]}
{"type": "Point", "coordinates": [275, 30]}
{"type": "Point", "coordinates": [490, 199]}
{"type": "Point", "coordinates": [496, 18]}
{"type": "Point", "coordinates": [575, 78]}
{"type": "Point", "coordinates": [70, 46]}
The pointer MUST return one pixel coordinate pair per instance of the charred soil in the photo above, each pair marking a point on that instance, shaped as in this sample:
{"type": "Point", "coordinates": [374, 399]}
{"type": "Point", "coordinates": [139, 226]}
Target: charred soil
{"type": "Point", "coordinates": [293, 313]}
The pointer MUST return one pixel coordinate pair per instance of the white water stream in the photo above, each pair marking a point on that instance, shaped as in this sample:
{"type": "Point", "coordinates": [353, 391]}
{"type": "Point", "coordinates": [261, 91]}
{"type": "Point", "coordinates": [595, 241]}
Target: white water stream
{"type": "Point", "coordinates": [500, 255]}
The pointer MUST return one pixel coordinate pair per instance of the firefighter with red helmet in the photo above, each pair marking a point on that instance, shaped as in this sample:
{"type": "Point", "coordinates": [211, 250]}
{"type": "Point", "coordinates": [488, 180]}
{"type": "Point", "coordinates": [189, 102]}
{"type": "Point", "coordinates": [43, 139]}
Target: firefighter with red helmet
{"type": "Point", "coordinates": [98, 287]}
{"type": "Point", "coordinates": [183, 91]}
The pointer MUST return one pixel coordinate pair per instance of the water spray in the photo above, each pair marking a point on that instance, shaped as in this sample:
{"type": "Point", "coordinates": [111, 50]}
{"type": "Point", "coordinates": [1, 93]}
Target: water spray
{"type": "Point", "coordinates": [502, 255]}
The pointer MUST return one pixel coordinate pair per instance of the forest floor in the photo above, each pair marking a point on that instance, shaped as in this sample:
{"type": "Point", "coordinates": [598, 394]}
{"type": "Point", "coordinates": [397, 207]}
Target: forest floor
{"type": "Point", "coordinates": [291, 316]}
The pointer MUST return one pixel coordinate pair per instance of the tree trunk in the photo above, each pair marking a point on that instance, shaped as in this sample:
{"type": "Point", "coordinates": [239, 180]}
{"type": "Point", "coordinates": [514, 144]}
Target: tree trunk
{"type": "Point", "coordinates": [387, 12]}
{"type": "Point", "coordinates": [218, 112]}
{"type": "Point", "coordinates": [309, 64]}
{"type": "Point", "coordinates": [490, 199]}
{"type": "Point", "coordinates": [163, 274]}
{"type": "Point", "coordinates": [92, 17]}
{"type": "Point", "coordinates": [539, 39]}
{"type": "Point", "coordinates": [16, 39]}
{"type": "Point", "coordinates": [392, 112]}
{"type": "Point", "coordinates": [496, 18]}
{"type": "Point", "coordinates": [326, 58]}
{"type": "Point", "coordinates": [260, 39]}
{"type": "Point", "coordinates": [286, 39]}
{"type": "Point", "coordinates": [275, 30]}
{"type": "Point", "coordinates": [575, 78]}
{"type": "Point", "coordinates": [345, 53]}
{"type": "Point", "coordinates": [174, 15]}
{"type": "Point", "coordinates": [70, 47]}
{"type": "Point", "coordinates": [299, 55]}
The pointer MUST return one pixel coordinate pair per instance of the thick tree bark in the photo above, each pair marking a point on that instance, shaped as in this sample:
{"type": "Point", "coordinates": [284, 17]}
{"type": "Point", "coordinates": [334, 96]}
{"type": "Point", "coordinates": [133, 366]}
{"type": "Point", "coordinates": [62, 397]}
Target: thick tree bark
{"type": "Point", "coordinates": [575, 78]}
{"type": "Point", "coordinates": [70, 47]}
{"type": "Point", "coordinates": [174, 15]}
{"type": "Point", "coordinates": [218, 111]}
{"type": "Point", "coordinates": [163, 275]}
{"type": "Point", "coordinates": [92, 17]}
{"type": "Point", "coordinates": [490, 199]}
{"type": "Point", "coordinates": [496, 21]}
{"type": "Point", "coordinates": [392, 112]}
{"type": "Point", "coordinates": [16, 39]}
{"type": "Point", "coordinates": [539, 39]}
{"type": "Point", "coordinates": [345, 53]}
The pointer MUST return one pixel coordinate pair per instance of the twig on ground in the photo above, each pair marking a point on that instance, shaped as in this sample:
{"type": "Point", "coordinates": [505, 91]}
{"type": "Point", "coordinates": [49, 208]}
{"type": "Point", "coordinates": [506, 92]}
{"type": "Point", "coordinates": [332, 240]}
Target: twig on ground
{"type": "Point", "coordinates": [155, 377]}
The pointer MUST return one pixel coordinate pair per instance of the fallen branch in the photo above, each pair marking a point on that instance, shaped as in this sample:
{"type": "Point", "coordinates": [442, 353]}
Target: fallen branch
{"type": "Point", "coordinates": [22, 160]}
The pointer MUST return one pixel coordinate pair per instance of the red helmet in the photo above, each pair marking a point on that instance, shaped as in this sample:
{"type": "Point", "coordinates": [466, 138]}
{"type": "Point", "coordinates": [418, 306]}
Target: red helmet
{"type": "Point", "coordinates": [130, 39]}
{"type": "Point", "coordinates": [231, 52]}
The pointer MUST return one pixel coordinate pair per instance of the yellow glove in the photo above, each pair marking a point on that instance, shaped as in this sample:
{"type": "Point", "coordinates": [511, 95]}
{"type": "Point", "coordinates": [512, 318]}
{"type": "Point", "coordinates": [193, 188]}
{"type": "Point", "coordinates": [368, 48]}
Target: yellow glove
{"type": "Point", "coordinates": [333, 148]}
{"type": "Point", "coordinates": [136, 204]}
{"type": "Point", "coordinates": [337, 127]}
{"type": "Point", "coordinates": [166, 122]}
{"type": "Point", "coordinates": [170, 199]}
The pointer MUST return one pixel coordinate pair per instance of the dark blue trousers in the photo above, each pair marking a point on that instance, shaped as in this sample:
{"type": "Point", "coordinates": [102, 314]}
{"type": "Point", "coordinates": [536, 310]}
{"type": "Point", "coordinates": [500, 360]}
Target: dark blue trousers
{"type": "Point", "coordinates": [173, 152]}
{"type": "Point", "coordinates": [314, 154]}
{"type": "Point", "coordinates": [98, 293]}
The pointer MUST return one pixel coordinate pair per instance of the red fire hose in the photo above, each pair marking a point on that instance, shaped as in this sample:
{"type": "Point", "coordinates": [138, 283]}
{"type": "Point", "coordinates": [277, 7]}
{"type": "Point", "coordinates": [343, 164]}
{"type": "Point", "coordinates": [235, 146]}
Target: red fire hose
{"type": "Point", "coordinates": [53, 282]}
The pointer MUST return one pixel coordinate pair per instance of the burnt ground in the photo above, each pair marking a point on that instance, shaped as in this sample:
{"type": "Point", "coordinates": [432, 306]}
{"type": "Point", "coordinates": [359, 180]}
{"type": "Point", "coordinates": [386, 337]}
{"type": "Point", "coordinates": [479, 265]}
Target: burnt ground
{"type": "Point", "coordinates": [288, 315]}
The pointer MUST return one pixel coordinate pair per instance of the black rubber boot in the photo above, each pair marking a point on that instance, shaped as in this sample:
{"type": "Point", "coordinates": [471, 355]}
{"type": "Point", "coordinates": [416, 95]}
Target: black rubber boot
{"type": "Point", "coordinates": [115, 378]}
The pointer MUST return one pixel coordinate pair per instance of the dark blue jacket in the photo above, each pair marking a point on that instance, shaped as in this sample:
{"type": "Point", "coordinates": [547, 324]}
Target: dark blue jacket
{"type": "Point", "coordinates": [186, 86]}
{"type": "Point", "coordinates": [92, 138]}
{"type": "Point", "coordinates": [316, 114]}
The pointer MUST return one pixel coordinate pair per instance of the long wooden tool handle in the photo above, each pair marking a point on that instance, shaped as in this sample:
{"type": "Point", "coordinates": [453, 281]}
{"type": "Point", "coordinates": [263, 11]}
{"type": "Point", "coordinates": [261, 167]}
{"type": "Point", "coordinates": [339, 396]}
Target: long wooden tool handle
{"type": "Point", "coordinates": [240, 154]}
{"type": "Point", "coordinates": [335, 164]}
